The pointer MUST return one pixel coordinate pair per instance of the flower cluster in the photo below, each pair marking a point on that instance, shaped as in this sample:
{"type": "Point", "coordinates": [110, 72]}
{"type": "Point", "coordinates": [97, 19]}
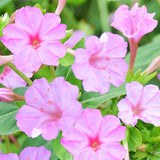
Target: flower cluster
{"type": "Point", "coordinates": [53, 108]}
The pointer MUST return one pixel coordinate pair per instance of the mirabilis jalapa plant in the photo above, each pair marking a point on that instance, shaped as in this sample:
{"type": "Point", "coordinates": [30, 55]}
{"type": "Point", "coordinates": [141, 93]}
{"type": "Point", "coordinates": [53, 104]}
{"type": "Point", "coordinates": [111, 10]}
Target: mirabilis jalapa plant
{"type": "Point", "coordinates": [66, 114]}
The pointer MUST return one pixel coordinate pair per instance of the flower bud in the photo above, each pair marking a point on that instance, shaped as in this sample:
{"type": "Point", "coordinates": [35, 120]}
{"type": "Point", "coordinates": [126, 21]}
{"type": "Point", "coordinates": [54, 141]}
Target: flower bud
{"type": "Point", "coordinates": [155, 64]}
{"type": "Point", "coordinates": [5, 59]}
{"type": "Point", "coordinates": [60, 6]}
{"type": "Point", "coordinates": [7, 95]}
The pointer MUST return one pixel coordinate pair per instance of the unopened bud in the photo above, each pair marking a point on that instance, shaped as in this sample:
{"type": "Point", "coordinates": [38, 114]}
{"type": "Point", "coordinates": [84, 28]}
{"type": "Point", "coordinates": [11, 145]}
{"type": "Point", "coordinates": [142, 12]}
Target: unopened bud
{"type": "Point", "coordinates": [142, 148]}
{"type": "Point", "coordinates": [7, 95]}
{"type": "Point", "coordinates": [5, 59]}
{"type": "Point", "coordinates": [155, 64]}
{"type": "Point", "coordinates": [60, 6]}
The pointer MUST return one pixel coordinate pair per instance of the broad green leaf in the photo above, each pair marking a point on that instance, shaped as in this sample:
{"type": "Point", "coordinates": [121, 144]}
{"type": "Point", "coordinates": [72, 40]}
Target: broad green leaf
{"type": "Point", "coordinates": [60, 151]}
{"type": "Point", "coordinates": [134, 139]}
{"type": "Point", "coordinates": [4, 2]}
{"type": "Point", "coordinates": [37, 142]}
{"type": "Point", "coordinates": [66, 72]}
{"type": "Point", "coordinates": [20, 90]}
{"type": "Point", "coordinates": [45, 72]}
{"type": "Point", "coordinates": [93, 100]}
{"type": "Point", "coordinates": [67, 60]}
{"type": "Point", "coordinates": [7, 118]}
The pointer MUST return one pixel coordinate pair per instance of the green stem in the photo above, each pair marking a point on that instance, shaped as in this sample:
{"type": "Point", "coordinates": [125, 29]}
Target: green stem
{"type": "Point", "coordinates": [104, 15]}
{"type": "Point", "coordinates": [53, 73]}
{"type": "Point", "coordinates": [23, 76]}
{"type": "Point", "coordinates": [7, 143]}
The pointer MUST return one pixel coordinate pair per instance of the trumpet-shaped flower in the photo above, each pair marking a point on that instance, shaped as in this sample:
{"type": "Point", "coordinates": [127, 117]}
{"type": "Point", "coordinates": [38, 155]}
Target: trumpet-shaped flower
{"type": "Point", "coordinates": [50, 108]}
{"type": "Point", "coordinates": [34, 39]}
{"type": "Point", "coordinates": [140, 103]}
{"type": "Point", "coordinates": [95, 137]}
{"type": "Point", "coordinates": [101, 62]}
{"type": "Point", "coordinates": [12, 80]}
{"type": "Point", "coordinates": [29, 153]}
{"type": "Point", "coordinates": [134, 23]}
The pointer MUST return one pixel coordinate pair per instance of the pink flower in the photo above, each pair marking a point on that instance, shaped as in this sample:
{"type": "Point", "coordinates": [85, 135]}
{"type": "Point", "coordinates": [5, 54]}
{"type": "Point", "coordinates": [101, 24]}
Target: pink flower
{"type": "Point", "coordinates": [134, 23]}
{"type": "Point", "coordinates": [140, 103]}
{"type": "Point", "coordinates": [95, 137]}
{"type": "Point", "coordinates": [34, 39]}
{"type": "Point", "coordinates": [7, 95]}
{"type": "Point", "coordinates": [50, 108]}
{"type": "Point", "coordinates": [101, 62]}
{"type": "Point", "coordinates": [29, 153]}
{"type": "Point", "coordinates": [12, 80]}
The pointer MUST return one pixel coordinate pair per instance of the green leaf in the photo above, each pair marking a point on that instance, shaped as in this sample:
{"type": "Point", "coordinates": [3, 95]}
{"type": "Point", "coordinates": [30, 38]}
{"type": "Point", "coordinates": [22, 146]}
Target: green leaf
{"type": "Point", "coordinates": [60, 151]}
{"type": "Point", "coordinates": [4, 2]}
{"type": "Point", "coordinates": [3, 22]}
{"type": "Point", "coordinates": [20, 90]}
{"type": "Point", "coordinates": [37, 142]}
{"type": "Point", "coordinates": [2, 68]}
{"type": "Point", "coordinates": [134, 139]}
{"type": "Point", "coordinates": [76, 2]}
{"type": "Point", "coordinates": [93, 100]}
{"type": "Point", "coordinates": [39, 6]}
{"type": "Point", "coordinates": [67, 60]}
{"type": "Point", "coordinates": [80, 44]}
{"type": "Point", "coordinates": [66, 72]}
{"type": "Point", "coordinates": [68, 35]}
{"type": "Point", "coordinates": [7, 118]}
{"type": "Point", "coordinates": [45, 72]}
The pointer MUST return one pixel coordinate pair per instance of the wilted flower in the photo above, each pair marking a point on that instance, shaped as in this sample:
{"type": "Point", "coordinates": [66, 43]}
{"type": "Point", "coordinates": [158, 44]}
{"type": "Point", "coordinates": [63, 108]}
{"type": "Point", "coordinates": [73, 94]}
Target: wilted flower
{"type": "Point", "coordinates": [50, 108]}
{"type": "Point", "coordinates": [140, 103]}
{"type": "Point", "coordinates": [29, 153]}
{"type": "Point", "coordinates": [34, 39]}
{"type": "Point", "coordinates": [101, 63]}
{"type": "Point", "coordinates": [95, 137]}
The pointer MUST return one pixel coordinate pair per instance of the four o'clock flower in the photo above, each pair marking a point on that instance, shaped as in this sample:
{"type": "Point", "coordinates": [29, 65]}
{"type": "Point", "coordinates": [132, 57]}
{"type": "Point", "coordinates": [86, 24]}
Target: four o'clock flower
{"type": "Point", "coordinates": [140, 103]}
{"type": "Point", "coordinates": [50, 108]}
{"type": "Point", "coordinates": [101, 63]}
{"type": "Point", "coordinates": [34, 39]}
{"type": "Point", "coordinates": [133, 24]}
{"type": "Point", "coordinates": [29, 153]}
{"type": "Point", "coordinates": [95, 137]}
{"type": "Point", "coordinates": [12, 80]}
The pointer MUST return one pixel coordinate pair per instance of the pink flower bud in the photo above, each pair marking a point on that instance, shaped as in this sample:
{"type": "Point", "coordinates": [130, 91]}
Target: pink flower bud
{"type": "Point", "coordinates": [60, 6]}
{"type": "Point", "coordinates": [7, 95]}
{"type": "Point", "coordinates": [155, 64]}
{"type": "Point", "coordinates": [5, 59]}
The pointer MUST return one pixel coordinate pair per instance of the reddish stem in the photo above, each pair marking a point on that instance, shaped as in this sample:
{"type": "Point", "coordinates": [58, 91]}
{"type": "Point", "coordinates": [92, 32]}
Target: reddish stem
{"type": "Point", "coordinates": [133, 51]}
